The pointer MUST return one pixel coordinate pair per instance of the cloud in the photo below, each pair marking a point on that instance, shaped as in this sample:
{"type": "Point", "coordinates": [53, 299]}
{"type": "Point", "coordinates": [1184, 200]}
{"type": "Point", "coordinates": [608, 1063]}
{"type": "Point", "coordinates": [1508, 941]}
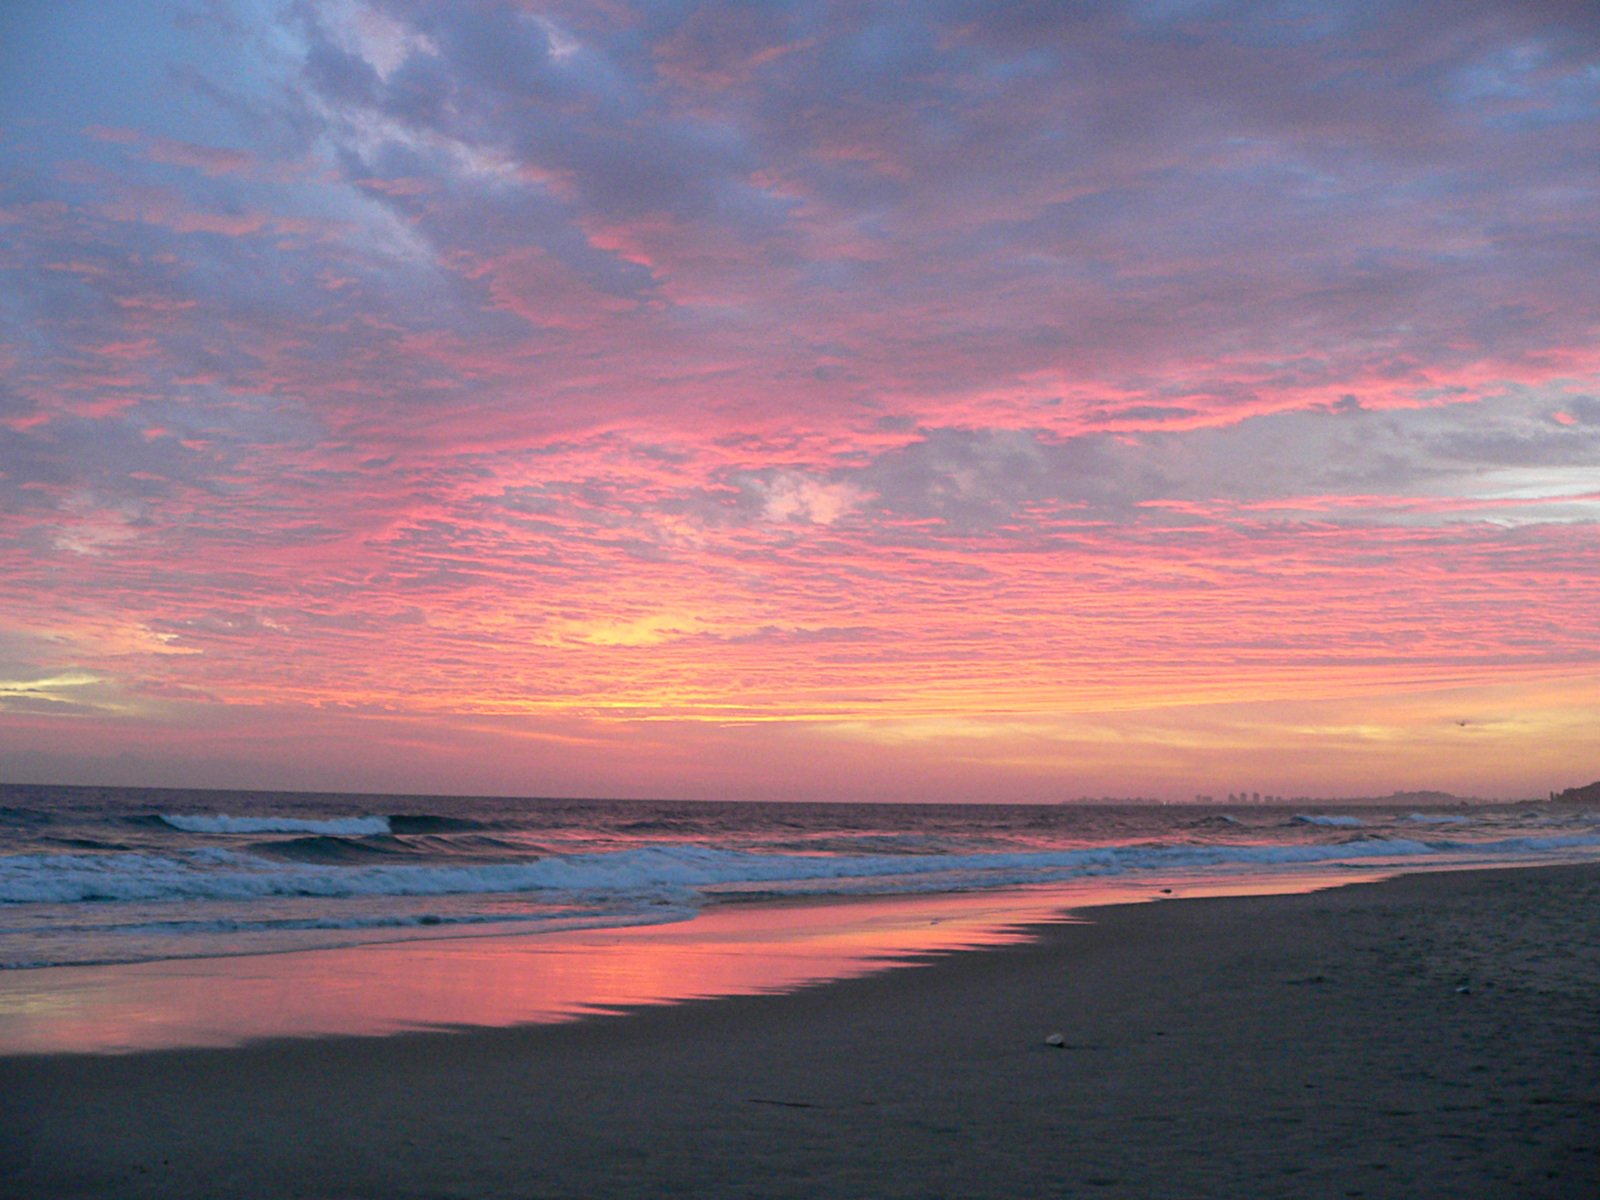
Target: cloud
{"type": "Point", "coordinates": [1448, 463]}
{"type": "Point", "coordinates": [47, 693]}
{"type": "Point", "coordinates": [209, 160]}
{"type": "Point", "coordinates": [400, 358]}
{"type": "Point", "coordinates": [795, 497]}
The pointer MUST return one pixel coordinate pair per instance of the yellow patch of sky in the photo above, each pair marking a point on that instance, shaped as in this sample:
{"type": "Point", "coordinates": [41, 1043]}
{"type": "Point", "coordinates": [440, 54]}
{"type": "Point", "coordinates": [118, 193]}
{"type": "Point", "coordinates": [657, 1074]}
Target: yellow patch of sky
{"type": "Point", "coordinates": [49, 685]}
{"type": "Point", "coordinates": [75, 691]}
{"type": "Point", "coordinates": [649, 630]}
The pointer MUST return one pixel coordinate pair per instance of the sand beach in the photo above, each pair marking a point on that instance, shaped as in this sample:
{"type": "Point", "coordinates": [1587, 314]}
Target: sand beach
{"type": "Point", "coordinates": [1434, 1034]}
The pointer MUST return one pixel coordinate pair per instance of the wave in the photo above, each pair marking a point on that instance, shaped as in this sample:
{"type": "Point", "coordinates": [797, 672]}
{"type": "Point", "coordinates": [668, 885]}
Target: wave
{"type": "Point", "coordinates": [660, 826]}
{"type": "Point", "coordinates": [1338, 822]}
{"type": "Point", "coordinates": [863, 843]}
{"type": "Point", "coordinates": [335, 826]}
{"type": "Point", "coordinates": [1216, 821]}
{"type": "Point", "coordinates": [324, 848]}
{"type": "Point", "coordinates": [416, 847]}
{"type": "Point", "coordinates": [1437, 819]}
{"type": "Point", "coordinates": [429, 823]}
{"type": "Point", "coordinates": [86, 843]}
{"type": "Point", "coordinates": [657, 873]}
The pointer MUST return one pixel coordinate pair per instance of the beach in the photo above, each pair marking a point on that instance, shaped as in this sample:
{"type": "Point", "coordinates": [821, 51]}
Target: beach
{"type": "Point", "coordinates": [1434, 1034]}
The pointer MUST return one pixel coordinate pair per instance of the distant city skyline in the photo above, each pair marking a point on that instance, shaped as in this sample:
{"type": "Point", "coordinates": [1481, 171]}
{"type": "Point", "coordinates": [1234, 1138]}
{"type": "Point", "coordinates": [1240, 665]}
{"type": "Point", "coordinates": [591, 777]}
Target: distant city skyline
{"type": "Point", "coordinates": [950, 401]}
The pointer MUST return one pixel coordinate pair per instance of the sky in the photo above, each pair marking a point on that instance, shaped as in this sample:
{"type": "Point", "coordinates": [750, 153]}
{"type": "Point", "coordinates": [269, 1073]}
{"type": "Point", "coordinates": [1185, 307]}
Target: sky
{"type": "Point", "coordinates": [801, 400]}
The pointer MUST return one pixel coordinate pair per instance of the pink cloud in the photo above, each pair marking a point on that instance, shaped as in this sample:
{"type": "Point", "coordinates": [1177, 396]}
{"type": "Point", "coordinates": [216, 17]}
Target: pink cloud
{"type": "Point", "coordinates": [543, 291]}
{"type": "Point", "coordinates": [208, 160]}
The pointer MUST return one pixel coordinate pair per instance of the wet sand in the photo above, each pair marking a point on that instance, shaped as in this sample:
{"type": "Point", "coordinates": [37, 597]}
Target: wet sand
{"type": "Point", "coordinates": [1436, 1034]}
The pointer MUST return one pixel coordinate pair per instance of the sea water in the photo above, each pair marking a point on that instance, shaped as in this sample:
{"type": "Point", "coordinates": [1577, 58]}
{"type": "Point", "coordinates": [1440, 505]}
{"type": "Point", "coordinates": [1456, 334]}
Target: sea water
{"type": "Point", "coordinates": [126, 875]}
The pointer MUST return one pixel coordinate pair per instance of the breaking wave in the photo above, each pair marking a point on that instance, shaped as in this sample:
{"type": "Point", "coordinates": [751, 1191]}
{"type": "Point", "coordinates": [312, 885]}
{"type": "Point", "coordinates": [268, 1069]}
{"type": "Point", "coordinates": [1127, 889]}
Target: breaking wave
{"type": "Point", "coordinates": [668, 872]}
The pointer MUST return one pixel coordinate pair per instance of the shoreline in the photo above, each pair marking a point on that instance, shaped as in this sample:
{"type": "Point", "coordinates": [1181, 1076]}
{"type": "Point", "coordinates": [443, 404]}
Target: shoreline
{"type": "Point", "coordinates": [737, 944]}
{"type": "Point", "coordinates": [1289, 1045]}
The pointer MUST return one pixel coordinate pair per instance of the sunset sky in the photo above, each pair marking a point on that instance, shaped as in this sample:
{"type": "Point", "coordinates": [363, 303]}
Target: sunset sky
{"type": "Point", "coordinates": [801, 400]}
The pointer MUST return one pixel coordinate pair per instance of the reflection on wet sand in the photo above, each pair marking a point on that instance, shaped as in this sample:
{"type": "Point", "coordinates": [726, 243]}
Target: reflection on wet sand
{"type": "Point", "coordinates": [730, 949]}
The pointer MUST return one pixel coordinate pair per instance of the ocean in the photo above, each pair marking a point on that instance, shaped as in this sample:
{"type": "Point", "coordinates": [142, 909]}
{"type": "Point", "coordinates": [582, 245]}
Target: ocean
{"type": "Point", "coordinates": [128, 875]}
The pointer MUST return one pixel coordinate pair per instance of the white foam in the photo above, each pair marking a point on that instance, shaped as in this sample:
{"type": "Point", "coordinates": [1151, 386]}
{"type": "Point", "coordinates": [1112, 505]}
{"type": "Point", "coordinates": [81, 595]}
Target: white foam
{"type": "Point", "coordinates": [660, 873]}
{"type": "Point", "coordinates": [332, 827]}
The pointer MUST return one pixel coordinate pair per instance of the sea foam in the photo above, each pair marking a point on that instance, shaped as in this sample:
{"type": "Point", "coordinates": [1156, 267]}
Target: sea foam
{"type": "Point", "coordinates": [660, 872]}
